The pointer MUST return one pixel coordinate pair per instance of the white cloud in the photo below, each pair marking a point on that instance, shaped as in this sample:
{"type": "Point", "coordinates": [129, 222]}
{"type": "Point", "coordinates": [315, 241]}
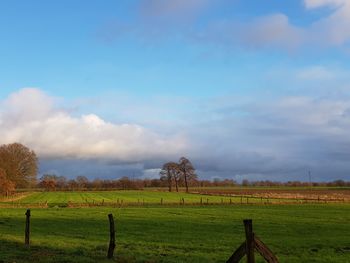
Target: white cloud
{"type": "Point", "coordinates": [186, 20]}
{"type": "Point", "coordinates": [29, 116]}
{"type": "Point", "coordinates": [321, 3]}
{"type": "Point", "coordinates": [279, 139]}
{"type": "Point", "coordinates": [317, 73]}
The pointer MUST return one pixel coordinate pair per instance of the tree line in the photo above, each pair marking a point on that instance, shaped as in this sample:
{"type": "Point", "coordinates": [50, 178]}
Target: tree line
{"type": "Point", "coordinates": [19, 168]}
{"type": "Point", "coordinates": [51, 182]}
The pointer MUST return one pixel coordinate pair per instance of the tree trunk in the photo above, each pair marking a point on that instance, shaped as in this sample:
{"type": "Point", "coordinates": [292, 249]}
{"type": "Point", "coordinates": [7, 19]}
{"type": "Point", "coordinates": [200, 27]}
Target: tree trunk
{"type": "Point", "coordinates": [176, 185]}
{"type": "Point", "coordinates": [185, 175]}
{"type": "Point", "coordinates": [169, 180]}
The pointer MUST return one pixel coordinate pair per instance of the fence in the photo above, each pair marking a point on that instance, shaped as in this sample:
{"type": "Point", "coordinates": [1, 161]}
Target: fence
{"type": "Point", "coordinates": [205, 200]}
{"type": "Point", "coordinates": [247, 248]}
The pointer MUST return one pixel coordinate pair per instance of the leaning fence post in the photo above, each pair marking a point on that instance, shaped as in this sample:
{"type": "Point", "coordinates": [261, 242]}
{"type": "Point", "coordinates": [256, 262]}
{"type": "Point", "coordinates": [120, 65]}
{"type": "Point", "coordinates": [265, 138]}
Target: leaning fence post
{"type": "Point", "coordinates": [27, 230]}
{"type": "Point", "coordinates": [111, 236]}
{"type": "Point", "coordinates": [248, 225]}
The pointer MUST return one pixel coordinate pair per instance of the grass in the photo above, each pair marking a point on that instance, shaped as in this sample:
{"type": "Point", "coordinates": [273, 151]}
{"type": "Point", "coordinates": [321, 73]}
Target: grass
{"type": "Point", "coordinates": [296, 233]}
{"type": "Point", "coordinates": [147, 197]}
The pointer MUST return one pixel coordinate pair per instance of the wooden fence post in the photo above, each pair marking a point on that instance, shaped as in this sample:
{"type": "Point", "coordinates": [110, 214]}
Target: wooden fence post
{"type": "Point", "coordinates": [251, 243]}
{"type": "Point", "coordinates": [161, 201]}
{"type": "Point", "coordinates": [201, 200]}
{"type": "Point", "coordinates": [111, 236]}
{"type": "Point", "coordinates": [27, 230]}
{"type": "Point", "coordinates": [248, 226]}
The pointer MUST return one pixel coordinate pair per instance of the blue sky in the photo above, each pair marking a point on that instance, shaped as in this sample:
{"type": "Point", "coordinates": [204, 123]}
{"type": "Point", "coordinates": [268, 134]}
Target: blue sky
{"type": "Point", "coordinates": [246, 89]}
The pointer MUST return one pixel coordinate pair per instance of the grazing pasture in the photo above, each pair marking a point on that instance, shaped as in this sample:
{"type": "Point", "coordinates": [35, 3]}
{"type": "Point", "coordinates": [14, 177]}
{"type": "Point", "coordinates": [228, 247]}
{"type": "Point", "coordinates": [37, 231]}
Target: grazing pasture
{"type": "Point", "coordinates": [295, 233]}
{"type": "Point", "coordinates": [122, 198]}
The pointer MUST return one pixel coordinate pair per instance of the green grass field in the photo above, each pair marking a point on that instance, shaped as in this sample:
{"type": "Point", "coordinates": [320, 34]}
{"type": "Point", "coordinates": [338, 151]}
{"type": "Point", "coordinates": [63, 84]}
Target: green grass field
{"type": "Point", "coordinates": [153, 233]}
{"type": "Point", "coordinates": [127, 197]}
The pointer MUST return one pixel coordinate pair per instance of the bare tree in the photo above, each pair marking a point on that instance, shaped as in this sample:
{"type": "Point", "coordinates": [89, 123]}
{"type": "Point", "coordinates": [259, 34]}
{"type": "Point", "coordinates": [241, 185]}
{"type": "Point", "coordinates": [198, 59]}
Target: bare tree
{"type": "Point", "coordinates": [176, 172]}
{"type": "Point", "coordinates": [165, 175]}
{"type": "Point", "coordinates": [19, 163]}
{"type": "Point", "coordinates": [187, 171]}
{"type": "Point", "coordinates": [82, 181]}
{"type": "Point", "coordinates": [49, 182]}
{"type": "Point", "coordinates": [169, 173]}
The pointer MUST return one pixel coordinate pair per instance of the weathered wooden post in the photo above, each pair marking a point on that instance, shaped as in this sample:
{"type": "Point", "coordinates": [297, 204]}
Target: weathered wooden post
{"type": "Point", "coordinates": [111, 236]}
{"type": "Point", "coordinates": [230, 201]}
{"type": "Point", "coordinates": [183, 201]}
{"type": "Point", "coordinates": [251, 243]}
{"type": "Point", "coordinates": [161, 201]}
{"type": "Point", "coordinates": [207, 201]}
{"type": "Point", "coordinates": [248, 226]}
{"type": "Point", "coordinates": [27, 230]}
{"type": "Point", "coordinates": [201, 200]}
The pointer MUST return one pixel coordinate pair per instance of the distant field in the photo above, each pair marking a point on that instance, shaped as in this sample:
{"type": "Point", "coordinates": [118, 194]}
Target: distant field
{"type": "Point", "coordinates": [328, 193]}
{"type": "Point", "coordinates": [126, 197]}
{"type": "Point", "coordinates": [133, 197]}
{"type": "Point", "coordinates": [296, 233]}
{"type": "Point", "coordinates": [211, 195]}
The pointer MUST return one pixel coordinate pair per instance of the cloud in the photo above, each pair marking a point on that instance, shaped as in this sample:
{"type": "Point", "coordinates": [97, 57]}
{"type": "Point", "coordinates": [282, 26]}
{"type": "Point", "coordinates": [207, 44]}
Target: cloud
{"type": "Point", "coordinates": [29, 116]}
{"type": "Point", "coordinates": [275, 139]}
{"type": "Point", "coordinates": [317, 73]}
{"type": "Point", "coordinates": [280, 139]}
{"type": "Point", "coordinates": [186, 20]}
{"type": "Point", "coordinates": [321, 3]}
{"type": "Point", "coordinates": [272, 31]}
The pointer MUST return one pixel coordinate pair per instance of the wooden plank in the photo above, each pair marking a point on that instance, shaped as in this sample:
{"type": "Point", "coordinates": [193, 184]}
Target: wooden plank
{"type": "Point", "coordinates": [238, 254]}
{"type": "Point", "coordinates": [248, 226]}
{"type": "Point", "coordinates": [264, 251]}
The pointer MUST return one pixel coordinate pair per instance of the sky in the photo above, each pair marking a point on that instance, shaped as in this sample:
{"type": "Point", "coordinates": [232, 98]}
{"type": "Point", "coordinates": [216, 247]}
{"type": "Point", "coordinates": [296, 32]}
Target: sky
{"type": "Point", "coordinates": [256, 90]}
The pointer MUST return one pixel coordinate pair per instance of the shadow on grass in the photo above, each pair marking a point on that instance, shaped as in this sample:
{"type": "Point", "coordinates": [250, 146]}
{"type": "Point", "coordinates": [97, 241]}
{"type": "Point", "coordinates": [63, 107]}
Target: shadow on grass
{"type": "Point", "coordinates": [11, 251]}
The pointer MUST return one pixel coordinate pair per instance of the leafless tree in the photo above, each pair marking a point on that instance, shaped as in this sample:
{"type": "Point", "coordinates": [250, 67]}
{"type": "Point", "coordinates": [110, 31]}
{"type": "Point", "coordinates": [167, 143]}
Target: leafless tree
{"type": "Point", "coordinates": [169, 173]}
{"type": "Point", "coordinates": [187, 171]}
